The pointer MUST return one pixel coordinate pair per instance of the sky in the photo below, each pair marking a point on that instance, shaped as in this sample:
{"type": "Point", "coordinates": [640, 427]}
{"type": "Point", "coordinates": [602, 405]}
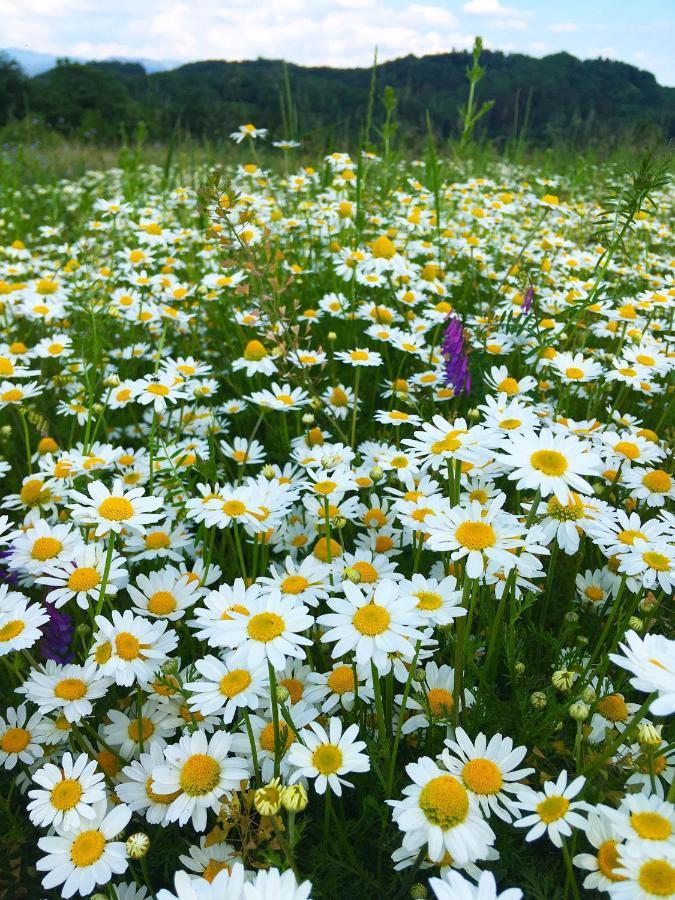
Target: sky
{"type": "Point", "coordinates": [342, 32]}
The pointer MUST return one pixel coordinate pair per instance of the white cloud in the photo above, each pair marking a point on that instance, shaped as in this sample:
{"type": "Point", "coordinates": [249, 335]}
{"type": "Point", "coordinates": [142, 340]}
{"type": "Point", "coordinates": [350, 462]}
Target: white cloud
{"type": "Point", "coordinates": [498, 15]}
{"type": "Point", "coordinates": [563, 27]}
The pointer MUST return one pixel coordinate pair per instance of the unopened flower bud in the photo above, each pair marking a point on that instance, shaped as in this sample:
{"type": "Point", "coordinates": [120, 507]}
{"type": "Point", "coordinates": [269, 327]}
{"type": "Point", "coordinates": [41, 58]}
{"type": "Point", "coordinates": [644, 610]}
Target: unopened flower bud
{"type": "Point", "coordinates": [170, 667]}
{"type": "Point", "coordinates": [648, 735]}
{"type": "Point", "coordinates": [99, 897]}
{"type": "Point", "coordinates": [582, 640]}
{"type": "Point", "coordinates": [267, 800]}
{"type": "Point", "coordinates": [137, 845]}
{"type": "Point", "coordinates": [473, 414]}
{"type": "Point", "coordinates": [331, 336]}
{"type": "Point", "coordinates": [376, 473]}
{"type": "Point", "coordinates": [418, 892]}
{"type": "Point", "coordinates": [538, 700]}
{"type": "Point", "coordinates": [282, 693]}
{"type": "Point", "coordinates": [6, 431]}
{"type": "Point", "coordinates": [636, 624]}
{"type": "Point", "coordinates": [419, 674]}
{"type": "Point", "coordinates": [338, 522]}
{"type": "Point", "coordinates": [563, 679]}
{"type": "Point", "coordinates": [648, 604]}
{"type": "Point", "coordinates": [268, 472]}
{"type": "Point", "coordinates": [589, 694]}
{"type": "Point", "coordinates": [520, 668]}
{"type": "Point", "coordinates": [294, 798]}
{"type": "Point", "coordinates": [112, 381]}
{"type": "Point", "coordinates": [83, 630]}
{"type": "Point", "coordinates": [579, 711]}
{"type": "Point", "coordinates": [307, 419]}
{"type": "Point", "coordinates": [572, 617]}
{"type": "Point", "coordinates": [97, 408]}
{"type": "Point", "coordinates": [352, 575]}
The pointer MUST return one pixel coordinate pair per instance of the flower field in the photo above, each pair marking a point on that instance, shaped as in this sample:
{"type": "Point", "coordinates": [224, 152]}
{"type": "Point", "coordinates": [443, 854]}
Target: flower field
{"type": "Point", "coordinates": [337, 552]}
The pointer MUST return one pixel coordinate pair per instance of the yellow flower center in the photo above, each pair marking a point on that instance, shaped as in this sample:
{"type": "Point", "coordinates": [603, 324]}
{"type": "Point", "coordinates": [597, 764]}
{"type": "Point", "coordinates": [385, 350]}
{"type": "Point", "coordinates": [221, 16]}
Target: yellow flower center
{"type": "Point", "coordinates": [440, 702]}
{"type": "Point", "coordinates": [448, 445]}
{"type": "Point", "coordinates": [371, 620]}
{"type": "Point", "coordinates": [159, 390]}
{"type": "Point", "coordinates": [33, 492]}
{"type": "Point", "coordinates": [12, 395]}
{"type": "Point", "coordinates": [46, 548]}
{"type": "Point", "coordinates": [11, 629]}
{"type": "Point", "coordinates": [83, 579]}
{"type": "Point", "coordinates": [146, 730]}
{"type": "Point", "coordinates": [338, 397]}
{"type": "Point", "coordinates": [359, 355]}
{"type": "Point", "coordinates": [254, 351]}
{"type": "Point", "coordinates": [233, 508]}
{"type": "Point", "coordinates": [341, 680]}
{"type": "Point", "coordinates": [509, 386]}
{"type": "Point", "coordinates": [594, 593]}
{"type": "Point", "coordinates": [116, 509]}
{"type": "Point", "coordinates": [163, 799]}
{"type": "Point", "coordinates": [213, 867]}
{"type": "Point", "coordinates": [613, 708]}
{"type": "Point", "coordinates": [234, 682]}
{"type": "Point", "coordinates": [200, 775]}
{"type": "Point", "coordinates": [367, 571]}
{"type": "Point", "coordinates": [482, 776]}
{"type": "Point", "coordinates": [574, 373]}
{"type": "Point", "coordinates": [383, 248]}
{"type": "Point", "coordinates": [656, 561]}
{"type": "Point", "coordinates": [14, 740]}
{"type": "Point", "coordinates": [475, 535]}
{"type": "Point", "coordinates": [103, 653]}
{"type": "Point", "coordinates": [657, 877]}
{"type": "Point", "coordinates": [627, 449]}
{"type": "Point", "coordinates": [294, 687]}
{"type": "Point", "coordinates": [552, 808]}
{"type": "Point", "coordinates": [570, 512]}
{"type": "Point", "coordinates": [66, 794]}
{"type": "Point", "coordinates": [265, 627]}
{"type": "Point", "coordinates": [428, 600]}
{"type": "Point", "coordinates": [70, 689]}
{"type": "Point", "coordinates": [127, 646]}
{"type": "Point", "coordinates": [608, 859]}
{"type": "Point", "coordinates": [444, 801]}
{"type": "Point", "coordinates": [658, 481]}
{"type": "Point", "coordinates": [157, 540]}
{"type": "Point", "coordinates": [325, 487]}
{"type": "Point", "coordinates": [162, 603]}
{"type": "Point", "coordinates": [87, 848]}
{"type": "Point", "coordinates": [286, 737]}
{"type": "Point", "coordinates": [651, 826]}
{"type": "Point", "coordinates": [294, 584]}
{"type": "Point", "coordinates": [629, 537]}
{"type": "Point", "coordinates": [327, 758]}
{"type": "Point", "coordinates": [550, 462]}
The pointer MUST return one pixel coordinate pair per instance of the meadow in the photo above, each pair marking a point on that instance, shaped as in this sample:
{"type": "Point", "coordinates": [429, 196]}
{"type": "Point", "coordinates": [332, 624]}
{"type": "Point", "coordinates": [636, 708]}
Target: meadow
{"type": "Point", "coordinates": [336, 533]}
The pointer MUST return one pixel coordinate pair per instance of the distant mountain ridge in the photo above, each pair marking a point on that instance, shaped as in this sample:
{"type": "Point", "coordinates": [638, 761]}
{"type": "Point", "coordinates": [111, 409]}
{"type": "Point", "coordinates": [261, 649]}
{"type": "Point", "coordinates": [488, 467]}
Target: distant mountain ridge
{"type": "Point", "coordinates": [558, 97]}
{"type": "Point", "coordinates": [35, 63]}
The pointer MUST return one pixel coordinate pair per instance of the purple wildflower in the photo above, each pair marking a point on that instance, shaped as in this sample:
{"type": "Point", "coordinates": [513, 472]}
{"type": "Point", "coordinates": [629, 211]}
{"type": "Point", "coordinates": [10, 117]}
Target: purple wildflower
{"type": "Point", "coordinates": [57, 636]}
{"type": "Point", "coordinates": [456, 358]}
{"type": "Point", "coordinates": [527, 302]}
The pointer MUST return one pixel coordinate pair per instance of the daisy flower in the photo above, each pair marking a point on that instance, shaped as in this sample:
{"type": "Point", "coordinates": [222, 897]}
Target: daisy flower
{"type": "Point", "coordinates": [645, 822]}
{"type": "Point", "coordinates": [225, 689]}
{"type": "Point", "coordinates": [130, 648]}
{"type": "Point", "coordinates": [19, 738]}
{"type": "Point", "coordinates": [202, 770]}
{"type": "Point", "coordinates": [137, 789]}
{"type": "Point", "coordinates": [116, 509]}
{"type": "Point", "coordinates": [306, 582]}
{"type": "Point", "coordinates": [79, 578]}
{"type": "Point", "coordinates": [271, 884]}
{"type": "Point", "coordinates": [14, 395]}
{"type": "Point", "coordinates": [654, 486]}
{"type": "Point", "coordinates": [328, 755]}
{"type": "Point", "coordinates": [42, 546]}
{"type": "Point", "coordinates": [359, 358]}
{"type": "Point", "coordinates": [165, 594]}
{"type": "Point", "coordinates": [438, 812]}
{"type": "Point", "coordinates": [454, 886]}
{"type": "Point", "coordinates": [158, 391]}
{"type": "Point", "coordinates": [79, 860]}
{"type": "Point", "coordinates": [651, 662]}
{"type": "Point", "coordinates": [208, 860]}
{"type": "Point", "coordinates": [131, 732]}
{"type": "Point", "coordinates": [439, 602]}
{"type": "Point", "coordinates": [68, 794]}
{"type": "Point", "coordinates": [435, 701]}
{"type": "Point", "coordinates": [601, 865]}
{"type": "Point", "coordinates": [68, 688]}
{"type": "Point", "coordinates": [550, 462]}
{"type": "Point", "coordinates": [270, 630]}
{"type": "Point", "coordinates": [163, 541]}
{"type": "Point", "coordinates": [248, 131]}
{"type": "Point", "coordinates": [552, 811]}
{"type": "Point", "coordinates": [336, 689]}
{"type": "Point", "coordinates": [373, 624]}
{"type": "Point", "coordinates": [649, 564]}
{"type": "Point", "coordinates": [488, 770]}
{"type": "Point", "coordinates": [20, 622]}
{"type": "Point", "coordinates": [645, 875]}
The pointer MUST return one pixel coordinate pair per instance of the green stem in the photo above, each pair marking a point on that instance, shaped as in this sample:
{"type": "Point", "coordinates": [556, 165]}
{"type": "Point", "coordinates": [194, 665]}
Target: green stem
{"type": "Point", "coordinates": [106, 572]}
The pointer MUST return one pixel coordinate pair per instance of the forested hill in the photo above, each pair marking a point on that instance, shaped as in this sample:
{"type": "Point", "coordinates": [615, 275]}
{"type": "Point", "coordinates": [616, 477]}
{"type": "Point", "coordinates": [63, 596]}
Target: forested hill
{"type": "Point", "coordinates": [555, 98]}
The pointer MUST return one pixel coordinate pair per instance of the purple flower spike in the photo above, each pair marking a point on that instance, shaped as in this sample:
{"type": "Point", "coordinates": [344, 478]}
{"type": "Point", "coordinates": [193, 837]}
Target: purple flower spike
{"type": "Point", "coordinates": [57, 636]}
{"type": "Point", "coordinates": [456, 358]}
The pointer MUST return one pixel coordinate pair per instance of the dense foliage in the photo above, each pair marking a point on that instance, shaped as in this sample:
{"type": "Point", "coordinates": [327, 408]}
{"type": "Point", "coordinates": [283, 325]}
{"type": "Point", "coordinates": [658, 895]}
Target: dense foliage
{"type": "Point", "coordinates": [541, 100]}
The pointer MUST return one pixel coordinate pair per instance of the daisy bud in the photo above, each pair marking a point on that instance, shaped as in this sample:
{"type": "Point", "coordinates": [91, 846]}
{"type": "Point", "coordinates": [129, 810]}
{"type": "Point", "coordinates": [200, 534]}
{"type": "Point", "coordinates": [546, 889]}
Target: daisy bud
{"type": "Point", "coordinates": [268, 472]}
{"type": "Point", "coordinates": [331, 336]}
{"type": "Point", "coordinates": [649, 736]}
{"type": "Point", "coordinates": [137, 845]}
{"type": "Point", "coordinates": [418, 892]}
{"type": "Point", "coordinates": [352, 575]}
{"type": "Point", "coordinates": [648, 604]}
{"type": "Point", "coordinates": [520, 668]}
{"type": "Point", "coordinates": [572, 617]}
{"type": "Point", "coordinates": [99, 897]}
{"type": "Point", "coordinates": [112, 381]}
{"type": "Point", "coordinates": [473, 414]}
{"type": "Point", "coordinates": [97, 408]}
{"type": "Point", "coordinates": [563, 679]}
{"type": "Point", "coordinates": [282, 693]}
{"type": "Point", "coordinates": [376, 473]}
{"type": "Point", "coordinates": [538, 700]}
{"type": "Point", "coordinates": [636, 624]}
{"type": "Point", "coordinates": [589, 695]}
{"type": "Point", "coordinates": [267, 800]}
{"type": "Point", "coordinates": [582, 640]}
{"type": "Point", "coordinates": [294, 798]}
{"type": "Point", "coordinates": [83, 630]}
{"type": "Point", "coordinates": [308, 419]}
{"type": "Point", "coordinates": [419, 675]}
{"type": "Point", "coordinates": [6, 431]}
{"type": "Point", "coordinates": [579, 711]}
{"type": "Point", "coordinates": [338, 522]}
{"type": "Point", "coordinates": [170, 667]}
